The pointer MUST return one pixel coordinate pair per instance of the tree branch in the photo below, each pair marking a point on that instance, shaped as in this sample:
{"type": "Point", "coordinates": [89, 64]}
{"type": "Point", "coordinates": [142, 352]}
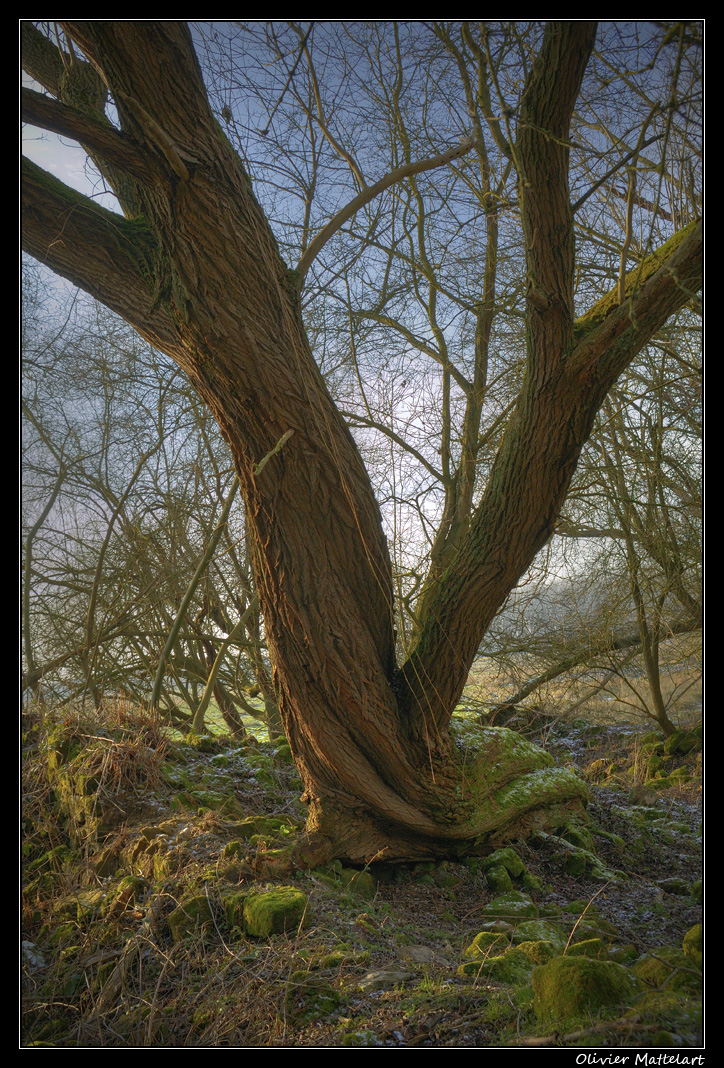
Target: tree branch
{"type": "Point", "coordinates": [372, 191]}
{"type": "Point", "coordinates": [101, 137]}
{"type": "Point", "coordinates": [106, 255]}
{"type": "Point", "coordinates": [663, 283]}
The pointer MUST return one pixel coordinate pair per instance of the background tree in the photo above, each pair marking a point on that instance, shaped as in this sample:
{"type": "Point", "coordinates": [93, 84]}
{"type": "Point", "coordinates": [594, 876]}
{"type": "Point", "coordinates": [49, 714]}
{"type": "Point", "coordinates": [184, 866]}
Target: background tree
{"type": "Point", "coordinates": [195, 268]}
{"type": "Point", "coordinates": [126, 477]}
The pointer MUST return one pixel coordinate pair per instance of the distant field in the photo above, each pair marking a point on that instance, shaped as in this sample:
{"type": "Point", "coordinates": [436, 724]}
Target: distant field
{"type": "Point", "coordinates": [598, 694]}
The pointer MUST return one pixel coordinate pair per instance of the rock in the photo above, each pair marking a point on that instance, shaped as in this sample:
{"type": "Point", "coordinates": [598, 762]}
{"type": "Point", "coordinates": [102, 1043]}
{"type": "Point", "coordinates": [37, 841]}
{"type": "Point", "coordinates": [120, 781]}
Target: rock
{"type": "Point", "coordinates": [504, 858]}
{"type": "Point", "coordinates": [283, 909]}
{"type": "Point", "coordinates": [669, 968]}
{"type": "Point", "coordinates": [192, 915]}
{"type": "Point", "coordinates": [483, 945]}
{"type": "Point", "coordinates": [570, 987]}
{"type": "Point", "coordinates": [514, 906]}
{"type": "Point", "coordinates": [512, 967]}
{"type": "Point", "coordinates": [384, 977]}
{"type": "Point", "coordinates": [422, 955]}
{"type": "Point", "coordinates": [693, 945]}
{"type": "Point", "coordinates": [541, 931]}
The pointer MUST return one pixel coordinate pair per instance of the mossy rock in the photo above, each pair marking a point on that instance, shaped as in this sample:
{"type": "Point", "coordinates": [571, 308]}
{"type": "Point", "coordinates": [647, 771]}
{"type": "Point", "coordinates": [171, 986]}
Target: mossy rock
{"type": "Point", "coordinates": [506, 858]}
{"type": "Point", "coordinates": [359, 882]}
{"type": "Point", "coordinates": [88, 903]}
{"type": "Point", "coordinates": [539, 952]}
{"type": "Point", "coordinates": [484, 943]}
{"type": "Point", "coordinates": [277, 911]}
{"type": "Point", "coordinates": [693, 945]}
{"type": "Point", "coordinates": [532, 882]}
{"type": "Point", "coordinates": [575, 863]}
{"type": "Point", "coordinates": [512, 967]}
{"type": "Point", "coordinates": [233, 906]}
{"type": "Point", "coordinates": [192, 915]}
{"type": "Point", "coordinates": [578, 834]}
{"type": "Point", "coordinates": [589, 947]}
{"type": "Point", "coordinates": [204, 743]}
{"type": "Point", "coordinates": [362, 1039]}
{"type": "Point", "coordinates": [127, 892]}
{"type": "Point", "coordinates": [514, 906]}
{"type": "Point", "coordinates": [283, 755]}
{"type": "Point", "coordinates": [667, 968]}
{"type": "Point", "coordinates": [568, 988]}
{"type": "Point", "coordinates": [625, 954]}
{"type": "Point", "coordinates": [677, 887]}
{"type": "Point", "coordinates": [498, 879]}
{"type": "Point", "coordinates": [697, 891]}
{"type": "Point", "coordinates": [681, 742]}
{"type": "Point", "coordinates": [269, 827]}
{"type": "Point", "coordinates": [541, 931]}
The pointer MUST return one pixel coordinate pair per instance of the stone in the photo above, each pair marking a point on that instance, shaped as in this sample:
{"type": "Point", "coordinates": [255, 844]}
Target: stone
{"type": "Point", "coordinates": [568, 988]}
{"type": "Point", "coordinates": [693, 945]}
{"type": "Point", "coordinates": [277, 911]}
{"type": "Point", "coordinates": [191, 916]}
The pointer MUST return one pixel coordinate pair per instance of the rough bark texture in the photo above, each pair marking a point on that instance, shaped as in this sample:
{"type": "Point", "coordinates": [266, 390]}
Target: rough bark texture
{"type": "Point", "coordinates": [196, 270]}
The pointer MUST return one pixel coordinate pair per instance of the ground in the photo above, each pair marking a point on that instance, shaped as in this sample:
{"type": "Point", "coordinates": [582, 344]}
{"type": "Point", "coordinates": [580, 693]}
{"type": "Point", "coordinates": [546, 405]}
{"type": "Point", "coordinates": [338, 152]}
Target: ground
{"type": "Point", "coordinates": [137, 891]}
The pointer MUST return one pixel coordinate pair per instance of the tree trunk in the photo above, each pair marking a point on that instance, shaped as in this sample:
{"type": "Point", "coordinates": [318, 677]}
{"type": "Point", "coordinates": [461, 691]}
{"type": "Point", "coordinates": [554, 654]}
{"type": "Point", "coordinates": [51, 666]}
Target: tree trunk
{"type": "Point", "coordinates": [197, 272]}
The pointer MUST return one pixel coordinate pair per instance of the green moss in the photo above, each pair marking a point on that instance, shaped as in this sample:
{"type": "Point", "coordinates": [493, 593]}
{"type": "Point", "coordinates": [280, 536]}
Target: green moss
{"type": "Point", "coordinates": [568, 988]}
{"type": "Point", "coordinates": [506, 858]}
{"type": "Point", "coordinates": [275, 911]}
{"type": "Point", "coordinates": [633, 281]}
{"type": "Point", "coordinates": [667, 967]}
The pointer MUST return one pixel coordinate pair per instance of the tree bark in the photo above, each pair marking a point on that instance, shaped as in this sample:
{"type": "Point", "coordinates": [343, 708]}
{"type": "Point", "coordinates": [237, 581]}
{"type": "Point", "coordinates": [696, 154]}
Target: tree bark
{"type": "Point", "coordinates": [196, 270]}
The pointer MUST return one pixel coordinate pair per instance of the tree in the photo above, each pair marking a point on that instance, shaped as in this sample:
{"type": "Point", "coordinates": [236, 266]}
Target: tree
{"type": "Point", "coordinates": [194, 266]}
{"type": "Point", "coordinates": [127, 488]}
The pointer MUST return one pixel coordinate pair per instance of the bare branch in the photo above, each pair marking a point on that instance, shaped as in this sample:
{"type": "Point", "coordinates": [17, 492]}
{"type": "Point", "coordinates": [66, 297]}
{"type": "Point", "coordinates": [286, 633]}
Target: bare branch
{"type": "Point", "coordinates": [372, 191]}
